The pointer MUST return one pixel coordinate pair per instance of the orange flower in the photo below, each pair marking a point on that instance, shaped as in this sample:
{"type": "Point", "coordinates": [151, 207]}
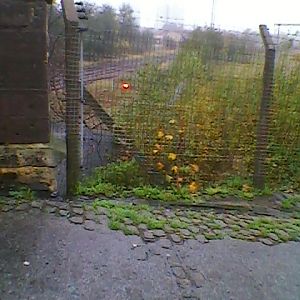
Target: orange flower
{"type": "Point", "coordinates": [160, 166]}
{"type": "Point", "coordinates": [193, 187]}
{"type": "Point", "coordinates": [194, 168]}
{"type": "Point", "coordinates": [246, 188]}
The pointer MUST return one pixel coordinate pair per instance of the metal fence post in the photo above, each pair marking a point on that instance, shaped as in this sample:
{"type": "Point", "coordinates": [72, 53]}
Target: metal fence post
{"type": "Point", "coordinates": [81, 98]}
{"type": "Point", "coordinates": [264, 117]}
{"type": "Point", "coordinates": [72, 84]}
{"type": "Point", "coordinates": [81, 16]}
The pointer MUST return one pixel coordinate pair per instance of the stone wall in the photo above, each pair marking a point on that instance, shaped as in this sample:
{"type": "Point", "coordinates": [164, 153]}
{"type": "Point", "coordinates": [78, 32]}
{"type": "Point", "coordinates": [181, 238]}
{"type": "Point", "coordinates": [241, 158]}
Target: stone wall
{"type": "Point", "coordinates": [26, 157]}
{"type": "Point", "coordinates": [24, 112]}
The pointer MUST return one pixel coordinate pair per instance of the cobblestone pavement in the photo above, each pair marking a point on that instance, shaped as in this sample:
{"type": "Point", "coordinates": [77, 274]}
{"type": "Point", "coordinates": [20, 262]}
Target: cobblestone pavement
{"type": "Point", "coordinates": [43, 256]}
{"type": "Point", "coordinates": [177, 225]}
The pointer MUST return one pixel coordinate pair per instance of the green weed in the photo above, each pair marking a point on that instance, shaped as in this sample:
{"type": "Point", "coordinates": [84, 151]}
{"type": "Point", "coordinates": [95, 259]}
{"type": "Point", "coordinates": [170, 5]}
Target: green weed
{"type": "Point", "coordinates": [177, 224]}
{"type": "Point", "coordinates": [290, 202]}
{"type": "Point", "coordinates": [235, 227]}
{"type": "Point", "coordinates": [268, 225]}
{"type": "Point", "coordinates": [114, 224]}
{"type": "Point", "coordinates": [125, 174]}
{"type": "Point", "coordinates": [213, 236]}
{"type": "Point", "coordinates": [23, 193]}
{"type": "Point", "coordinates": [214, 226]}
{"type": "Point", "coordinates": [156, 193]}
{"type": "Point", "coordinates": [238, 187]}
{"type": "Point", "coordinates": [97, 188]}
{"type": "Point", "coordinates": [152, 223]}
{"type": "Point", "coordinates": [124, 179]}
{"type": "Point", "coordinates": [126, 230]}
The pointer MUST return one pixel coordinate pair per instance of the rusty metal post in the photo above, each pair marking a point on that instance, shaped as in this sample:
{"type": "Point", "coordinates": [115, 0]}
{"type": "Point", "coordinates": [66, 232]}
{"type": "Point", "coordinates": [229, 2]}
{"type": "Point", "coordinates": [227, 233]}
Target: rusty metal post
{"type": "Point", "coordinates": [72, 94]}
{"type": "Point", "coordinates": [264, 117]}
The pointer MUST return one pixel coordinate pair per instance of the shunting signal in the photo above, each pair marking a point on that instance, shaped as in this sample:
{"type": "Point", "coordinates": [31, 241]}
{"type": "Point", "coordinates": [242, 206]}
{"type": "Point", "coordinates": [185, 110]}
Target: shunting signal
{"type": "Point", "coordinates": [125, 86]}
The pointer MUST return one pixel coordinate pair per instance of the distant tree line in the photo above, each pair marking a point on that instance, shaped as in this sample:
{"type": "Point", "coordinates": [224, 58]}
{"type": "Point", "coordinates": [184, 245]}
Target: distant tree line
{"type": "Point", "coordinates": [110, 32]}
{"type": "Point", "coordinates": [217, 45]}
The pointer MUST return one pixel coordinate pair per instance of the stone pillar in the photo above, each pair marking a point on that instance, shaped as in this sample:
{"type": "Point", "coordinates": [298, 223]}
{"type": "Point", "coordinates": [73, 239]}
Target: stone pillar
{"type": "Point", "coordinates": [25, 154]}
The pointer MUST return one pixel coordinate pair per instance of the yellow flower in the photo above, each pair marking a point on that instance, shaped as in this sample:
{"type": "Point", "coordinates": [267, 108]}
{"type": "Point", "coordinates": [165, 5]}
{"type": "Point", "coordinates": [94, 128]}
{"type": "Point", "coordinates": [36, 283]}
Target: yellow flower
{"type": "Point", "coordinates": [193, 187]}
{"type": "Point", "coordinates": [160, 134]}
{"type": "Point", "coordinates": [194, 168]}
{"type": "Point", "coordinates": [159, 166]}
{"type": "Point", "coordinates": [174, 169]}
{"type": "Point", "coordinates": [172, 156]}
{"type": "Point", "coordinates": [169, 137]}
{"type": "Point", "coordinates": [172, 121]}
{"type": "Point", "coordinates": [155, 151]}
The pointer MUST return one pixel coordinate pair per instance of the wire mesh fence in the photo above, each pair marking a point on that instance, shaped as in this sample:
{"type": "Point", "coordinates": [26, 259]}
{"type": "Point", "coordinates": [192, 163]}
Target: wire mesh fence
{"type": "Point", "coordinates": [284, 142]}
{"type": "Point", "coordinates": [172, 113]}
{"type": "Point", "coordinates": [185, 104]}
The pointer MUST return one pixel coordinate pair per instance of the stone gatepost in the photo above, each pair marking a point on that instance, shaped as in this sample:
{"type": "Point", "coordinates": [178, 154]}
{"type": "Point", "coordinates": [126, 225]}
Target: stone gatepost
{"type": "Point", "coordinates": [25, 153]}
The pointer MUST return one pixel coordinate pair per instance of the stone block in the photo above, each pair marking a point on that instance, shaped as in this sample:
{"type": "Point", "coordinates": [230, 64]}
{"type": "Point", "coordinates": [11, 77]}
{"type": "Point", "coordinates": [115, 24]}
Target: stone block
{"type": "Point", "coordinates": [37, 178]}
{"type": "Point", "coordinates": [13, 156]}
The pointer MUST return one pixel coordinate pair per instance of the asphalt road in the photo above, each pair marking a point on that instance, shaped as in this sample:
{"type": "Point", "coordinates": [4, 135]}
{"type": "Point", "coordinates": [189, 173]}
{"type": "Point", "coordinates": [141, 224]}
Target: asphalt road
{"type": "Point", "coordinates": [65, 261]}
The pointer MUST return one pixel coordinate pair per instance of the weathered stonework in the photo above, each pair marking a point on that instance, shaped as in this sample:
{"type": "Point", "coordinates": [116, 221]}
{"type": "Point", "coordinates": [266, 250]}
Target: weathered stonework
{"type": "Point", "coordinates": [26, 156]}
{"type": "Point", "coordinates": [24, 109]}
{"type": "Point", "coordinates": [30, 164]}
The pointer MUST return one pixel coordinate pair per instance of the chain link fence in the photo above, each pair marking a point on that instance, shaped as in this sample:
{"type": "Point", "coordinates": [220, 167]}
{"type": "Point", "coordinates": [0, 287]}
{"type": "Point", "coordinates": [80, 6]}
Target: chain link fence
{"type": "Point", "coordinates": [190, 106]}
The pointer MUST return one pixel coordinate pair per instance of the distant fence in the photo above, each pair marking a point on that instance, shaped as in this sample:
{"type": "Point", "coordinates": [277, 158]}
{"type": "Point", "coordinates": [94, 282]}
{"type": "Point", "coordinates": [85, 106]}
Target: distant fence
{"type": "Point", "coordinates": [190, 106]}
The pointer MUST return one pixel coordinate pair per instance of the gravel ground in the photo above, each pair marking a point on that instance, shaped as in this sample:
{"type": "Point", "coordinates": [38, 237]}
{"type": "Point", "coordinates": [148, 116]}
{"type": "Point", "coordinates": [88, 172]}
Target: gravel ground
{"type": "Point", "coordinates": [67, 261]}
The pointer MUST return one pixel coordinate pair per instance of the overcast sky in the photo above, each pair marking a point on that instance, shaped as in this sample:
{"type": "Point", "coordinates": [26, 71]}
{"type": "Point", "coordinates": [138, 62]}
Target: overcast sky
{"type": "Point", "coordinates": [229, 14]}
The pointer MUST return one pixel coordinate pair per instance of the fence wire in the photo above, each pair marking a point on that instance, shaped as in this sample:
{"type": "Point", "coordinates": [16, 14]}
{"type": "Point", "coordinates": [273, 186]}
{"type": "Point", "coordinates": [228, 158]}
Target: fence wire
{"type": "Point", "coordinates": [184, 103]}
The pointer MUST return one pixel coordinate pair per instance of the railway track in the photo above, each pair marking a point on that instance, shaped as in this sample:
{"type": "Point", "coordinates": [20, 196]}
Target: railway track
{"type": "Point", "coordinates": [110, 70]}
